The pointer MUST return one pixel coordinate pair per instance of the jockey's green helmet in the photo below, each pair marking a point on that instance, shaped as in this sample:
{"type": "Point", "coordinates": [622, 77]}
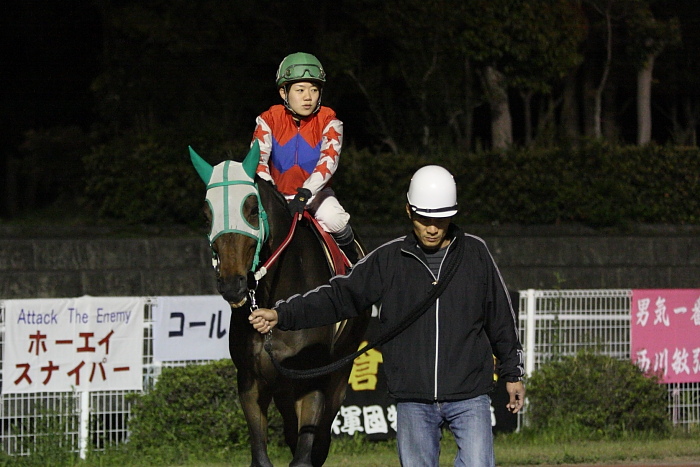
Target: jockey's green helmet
{"type": "Point", "coordinates": [300, 66]}
{"type": "Point", "coordinates": [433, 192]}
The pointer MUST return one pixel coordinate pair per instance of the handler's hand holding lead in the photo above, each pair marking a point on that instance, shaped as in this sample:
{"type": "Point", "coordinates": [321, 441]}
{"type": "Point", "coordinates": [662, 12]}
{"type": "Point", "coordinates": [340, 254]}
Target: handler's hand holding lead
{"type": "Point", "coordinates": [263, 320]}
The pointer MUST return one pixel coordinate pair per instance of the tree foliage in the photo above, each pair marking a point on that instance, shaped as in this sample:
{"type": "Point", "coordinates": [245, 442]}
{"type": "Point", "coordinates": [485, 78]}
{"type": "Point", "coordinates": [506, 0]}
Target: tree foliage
{"type": "Point", "coordinates": [405, 76]}
{"type": "Point", "coordinates": [403, 73]}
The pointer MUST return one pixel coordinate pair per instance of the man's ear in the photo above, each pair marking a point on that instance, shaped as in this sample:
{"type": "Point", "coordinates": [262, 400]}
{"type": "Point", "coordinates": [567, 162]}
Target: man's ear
{"type": "Point", "coordinates": [283, 93]}
{"type": "Point", "coordinates": [408, 211]}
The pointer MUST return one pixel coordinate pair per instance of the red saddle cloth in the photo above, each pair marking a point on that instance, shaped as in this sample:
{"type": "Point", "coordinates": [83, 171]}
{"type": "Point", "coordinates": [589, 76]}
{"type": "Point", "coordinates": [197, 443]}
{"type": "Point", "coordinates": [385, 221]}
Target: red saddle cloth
{"type": "Point", "coordinates": [337, 259]}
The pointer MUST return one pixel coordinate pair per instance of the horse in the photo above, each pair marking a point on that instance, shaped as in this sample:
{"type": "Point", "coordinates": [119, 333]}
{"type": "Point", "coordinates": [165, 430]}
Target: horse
{"type": "Point", "coordinates": [249, 221]}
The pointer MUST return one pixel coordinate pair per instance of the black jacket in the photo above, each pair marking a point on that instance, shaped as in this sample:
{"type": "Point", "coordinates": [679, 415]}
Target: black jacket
{"type": "Point", "coordinates": [447, 354]}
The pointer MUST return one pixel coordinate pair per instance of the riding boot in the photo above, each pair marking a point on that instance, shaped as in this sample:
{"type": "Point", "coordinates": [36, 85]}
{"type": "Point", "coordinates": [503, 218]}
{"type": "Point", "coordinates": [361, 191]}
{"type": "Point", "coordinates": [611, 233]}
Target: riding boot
{"type": "Point", "coordinates": [345, 238]}
{"type": "Point", "coordinates": [351, 253]}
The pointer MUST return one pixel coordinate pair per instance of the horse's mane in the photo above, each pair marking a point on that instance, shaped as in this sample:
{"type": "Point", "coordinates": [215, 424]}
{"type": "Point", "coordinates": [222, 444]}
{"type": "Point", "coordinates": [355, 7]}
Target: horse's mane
{"type": "Point", "coordinates": [270, 187]}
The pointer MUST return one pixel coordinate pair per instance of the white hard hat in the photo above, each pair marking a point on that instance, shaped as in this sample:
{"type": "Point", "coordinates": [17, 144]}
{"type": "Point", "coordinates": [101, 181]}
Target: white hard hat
{"type": "Point", "coordinates": [432, 192]}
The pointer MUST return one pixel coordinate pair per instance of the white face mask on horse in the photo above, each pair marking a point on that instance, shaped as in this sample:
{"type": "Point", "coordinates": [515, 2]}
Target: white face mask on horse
{"type": "Point", "coordinates": [229, 184]}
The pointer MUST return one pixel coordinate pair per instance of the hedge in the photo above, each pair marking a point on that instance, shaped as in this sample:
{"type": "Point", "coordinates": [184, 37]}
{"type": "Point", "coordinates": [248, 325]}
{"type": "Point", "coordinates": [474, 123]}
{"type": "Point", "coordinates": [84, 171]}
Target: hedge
{"type": "Point", "coordinates": [148, 179]}
{"type": "Point", "coordinates": [596, 396]}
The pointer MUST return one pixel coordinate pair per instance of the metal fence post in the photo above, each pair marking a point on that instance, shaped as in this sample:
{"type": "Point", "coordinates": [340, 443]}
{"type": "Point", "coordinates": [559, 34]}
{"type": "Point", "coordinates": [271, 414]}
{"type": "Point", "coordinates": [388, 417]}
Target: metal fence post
{"type": "Point", "coordinates": [84, 429]}
{"type": "Point", "coordinates": [530, 333]}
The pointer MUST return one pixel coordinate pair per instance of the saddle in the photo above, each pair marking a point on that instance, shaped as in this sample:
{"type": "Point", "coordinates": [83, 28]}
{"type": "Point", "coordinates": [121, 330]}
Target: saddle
{"type": "Point", "coordinates": [337, 260]}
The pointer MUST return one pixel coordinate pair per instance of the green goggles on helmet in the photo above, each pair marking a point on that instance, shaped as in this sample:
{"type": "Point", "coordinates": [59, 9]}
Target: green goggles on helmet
{"type": "Point", "coordinates": [301, 72]}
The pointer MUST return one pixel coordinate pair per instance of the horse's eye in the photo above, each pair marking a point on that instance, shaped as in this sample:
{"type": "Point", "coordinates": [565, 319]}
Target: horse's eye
{"type": "Point", "coordinates": [251, 210]}
{"type": "Point", "coordinates": [207, 215]}
{"type": "Point", "coordinates": [254, 216]}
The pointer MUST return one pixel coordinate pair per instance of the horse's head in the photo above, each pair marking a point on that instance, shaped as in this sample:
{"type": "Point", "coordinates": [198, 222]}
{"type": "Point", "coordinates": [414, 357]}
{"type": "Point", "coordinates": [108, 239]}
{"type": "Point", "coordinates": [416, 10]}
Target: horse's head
{"type": "Point", "coordinates": [237, 220]}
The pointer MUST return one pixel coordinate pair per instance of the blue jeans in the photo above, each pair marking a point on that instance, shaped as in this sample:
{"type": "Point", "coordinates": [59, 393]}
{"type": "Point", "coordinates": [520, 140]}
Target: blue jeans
{"type": "Point", "coordinates": [419, 430]}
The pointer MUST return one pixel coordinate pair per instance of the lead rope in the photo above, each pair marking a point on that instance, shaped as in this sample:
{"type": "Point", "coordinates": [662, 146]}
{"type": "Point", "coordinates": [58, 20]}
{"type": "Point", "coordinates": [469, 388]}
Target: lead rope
{"type": "Point", "coordinates": [417, 312]}
{"type": "Point", "coordinates": [260, 273]}
{"type": "Point", "coordinates": [253, 307]}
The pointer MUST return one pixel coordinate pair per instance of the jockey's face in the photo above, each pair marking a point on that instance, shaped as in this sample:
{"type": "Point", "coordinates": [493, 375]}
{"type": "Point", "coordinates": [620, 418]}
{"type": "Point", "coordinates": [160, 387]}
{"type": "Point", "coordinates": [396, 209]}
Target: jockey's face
{"type": "Point", "coordinates": [430, 231]}
{"type": "Point", "coordinates": [303, 97]}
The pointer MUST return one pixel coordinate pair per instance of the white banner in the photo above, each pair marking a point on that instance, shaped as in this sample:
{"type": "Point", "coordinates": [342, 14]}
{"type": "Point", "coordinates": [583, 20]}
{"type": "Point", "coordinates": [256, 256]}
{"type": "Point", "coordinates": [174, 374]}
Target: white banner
{"type": "Point", "coordinates": [82, 344]}
{"type": "Point", "coordinates": [191, 327]}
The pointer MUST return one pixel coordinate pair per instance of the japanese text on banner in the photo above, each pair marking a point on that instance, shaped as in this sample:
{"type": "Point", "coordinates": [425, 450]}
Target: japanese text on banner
{"type": "Point", "coordinates": [81, 344]}
{"type": "Point", "coordinates": [665, 333]}
{"type": "Point", "coordinates": [191, 327]}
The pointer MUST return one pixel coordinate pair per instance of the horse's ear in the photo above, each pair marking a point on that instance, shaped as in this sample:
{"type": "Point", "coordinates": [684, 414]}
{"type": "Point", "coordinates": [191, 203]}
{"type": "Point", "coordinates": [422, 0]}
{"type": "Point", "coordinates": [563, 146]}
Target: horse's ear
{"type": "Point", "coordinates": [203, 168]}
{"type": "Point", "coordinates": [250, 163]}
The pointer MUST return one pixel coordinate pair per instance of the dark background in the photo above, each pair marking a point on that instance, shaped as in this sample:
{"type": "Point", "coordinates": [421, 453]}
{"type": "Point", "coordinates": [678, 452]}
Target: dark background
{"type": "Point", "coordinates": [51, 54]}
{"type": "Point", "coordinates": [79, 74]}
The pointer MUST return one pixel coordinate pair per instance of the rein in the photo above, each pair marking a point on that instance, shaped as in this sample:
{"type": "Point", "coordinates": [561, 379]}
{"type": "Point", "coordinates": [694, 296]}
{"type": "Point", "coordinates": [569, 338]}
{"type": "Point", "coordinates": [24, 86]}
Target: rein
{"type": "Point", "coordinates": [260, 273]}
{"type": "Point", "coordinates": [417, 312]}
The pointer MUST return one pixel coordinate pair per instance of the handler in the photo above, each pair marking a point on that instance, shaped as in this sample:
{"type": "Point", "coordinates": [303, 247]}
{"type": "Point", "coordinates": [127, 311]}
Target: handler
{"type": "Point", "coordinates": [440, 369]}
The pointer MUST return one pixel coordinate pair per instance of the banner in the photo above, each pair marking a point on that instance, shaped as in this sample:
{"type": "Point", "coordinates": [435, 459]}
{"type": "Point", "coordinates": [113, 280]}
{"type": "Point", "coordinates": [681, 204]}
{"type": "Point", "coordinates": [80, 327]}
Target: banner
{"type": "Point", "coordinates": [191, 328]}
{"type": "Point", "coordinates": [81, 344]}
{"type": "Point", "coordinates": [665, 333]}
{"type": "Point", "coordinates": [367, 408]}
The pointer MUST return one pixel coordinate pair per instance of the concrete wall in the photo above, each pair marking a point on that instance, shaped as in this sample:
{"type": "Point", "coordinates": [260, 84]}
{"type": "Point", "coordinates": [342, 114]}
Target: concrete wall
{"type": "Point", "coordinates": [43, 263]}
{"type": "Point", "coordinates": [65, 267]}
{"type": "Point", "coordinates": [575, 257]}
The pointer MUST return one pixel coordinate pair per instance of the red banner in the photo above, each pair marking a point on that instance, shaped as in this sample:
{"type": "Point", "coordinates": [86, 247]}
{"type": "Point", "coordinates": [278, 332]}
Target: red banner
{"type": "Point", "coordinates": [665, 333]}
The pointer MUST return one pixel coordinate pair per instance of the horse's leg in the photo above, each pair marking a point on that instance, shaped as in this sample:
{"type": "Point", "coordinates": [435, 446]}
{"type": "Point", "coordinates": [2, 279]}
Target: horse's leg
{"type": "Point", "coordinates": [255, 403]}
{"type": "Point", "coordinates": [335, 395]}
{"type": "Point", "coordinates": [337, 386]}
{"type": "Point", "coordinates": [284, 401]}
{"type": "Point", "coordinates": [309, 409]}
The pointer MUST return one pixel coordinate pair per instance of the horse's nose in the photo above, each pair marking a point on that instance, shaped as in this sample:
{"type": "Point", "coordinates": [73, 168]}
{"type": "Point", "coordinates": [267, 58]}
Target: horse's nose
{"type": "Point", "coordinates": [233, 289]}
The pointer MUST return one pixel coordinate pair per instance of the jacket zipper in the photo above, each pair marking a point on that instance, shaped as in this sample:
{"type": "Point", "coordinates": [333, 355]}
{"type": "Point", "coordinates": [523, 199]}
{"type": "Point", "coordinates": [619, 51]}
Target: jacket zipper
{"type": "Point", "coordinates": [437, 347]}
{"type": "Point", "coordinates": [437, 320]}
{"type": "Point", "coordinates": [437, 328]}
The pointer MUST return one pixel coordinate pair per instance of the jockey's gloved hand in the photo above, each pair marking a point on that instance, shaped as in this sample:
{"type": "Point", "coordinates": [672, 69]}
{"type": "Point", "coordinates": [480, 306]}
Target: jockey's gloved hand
{"type": "Point", "coordinates": [297, 205]}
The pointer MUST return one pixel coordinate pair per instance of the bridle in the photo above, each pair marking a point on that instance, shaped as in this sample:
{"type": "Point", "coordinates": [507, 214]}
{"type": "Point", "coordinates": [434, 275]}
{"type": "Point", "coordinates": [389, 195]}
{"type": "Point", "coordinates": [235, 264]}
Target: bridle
{"type": "Point", "coordinates": [229, 183]}
{"type": "Point", "coordinates": [234, 221]}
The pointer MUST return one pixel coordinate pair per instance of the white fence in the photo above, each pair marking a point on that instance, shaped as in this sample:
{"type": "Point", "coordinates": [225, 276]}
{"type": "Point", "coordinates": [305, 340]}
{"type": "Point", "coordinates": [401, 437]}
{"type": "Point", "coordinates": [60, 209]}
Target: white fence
{"type": "Point", "coordinates": [553, 323]}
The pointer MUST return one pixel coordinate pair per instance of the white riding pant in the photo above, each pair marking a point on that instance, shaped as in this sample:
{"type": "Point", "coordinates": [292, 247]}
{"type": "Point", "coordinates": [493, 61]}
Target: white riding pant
{"type": "Point", "coordinates": [328, 211]}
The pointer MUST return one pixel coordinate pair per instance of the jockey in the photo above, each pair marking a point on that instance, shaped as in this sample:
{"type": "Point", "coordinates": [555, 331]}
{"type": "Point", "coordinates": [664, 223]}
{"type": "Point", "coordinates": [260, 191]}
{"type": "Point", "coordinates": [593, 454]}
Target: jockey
{"type": "Point", "coordinates": [300, 144]}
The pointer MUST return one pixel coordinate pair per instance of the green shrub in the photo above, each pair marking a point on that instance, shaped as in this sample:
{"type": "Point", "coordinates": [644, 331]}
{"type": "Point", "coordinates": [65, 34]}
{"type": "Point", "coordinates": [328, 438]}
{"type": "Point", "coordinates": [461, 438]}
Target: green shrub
{"type": "Point", "coordinates": [49, 438]}
{"type": "Point", "coordinates": [598, 185]}
{"type": "Point", "coordinates": [147, 178]}
{"type": "Point", "coordinates": [194, 407]}
{"type": "Point", "coordinates": [372, 187]}
{"type": "Point", "coordinates": [595, 395]}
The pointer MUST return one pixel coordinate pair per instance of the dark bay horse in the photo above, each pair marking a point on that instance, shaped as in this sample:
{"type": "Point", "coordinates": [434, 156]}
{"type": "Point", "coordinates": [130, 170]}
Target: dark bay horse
{"type": "Point", "coordinates": [249, 220]}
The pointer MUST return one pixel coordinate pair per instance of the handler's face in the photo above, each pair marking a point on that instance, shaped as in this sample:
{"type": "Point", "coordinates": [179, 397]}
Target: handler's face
{"type": "Point", "coordinates": [430, 231]}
